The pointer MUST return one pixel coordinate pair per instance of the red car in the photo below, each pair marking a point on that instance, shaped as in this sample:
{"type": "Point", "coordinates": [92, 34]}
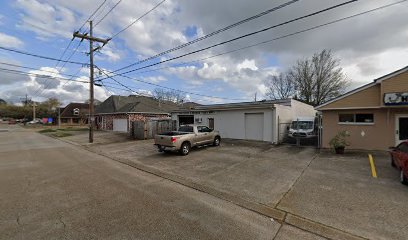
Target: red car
{"type": "Point", "coordinates": [399, 160]}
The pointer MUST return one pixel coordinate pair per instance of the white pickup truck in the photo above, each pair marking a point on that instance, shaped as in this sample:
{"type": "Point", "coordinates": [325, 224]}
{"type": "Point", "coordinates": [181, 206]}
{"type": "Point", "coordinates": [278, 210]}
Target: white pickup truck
{"type": "Point", "coordinates": [185, 138]}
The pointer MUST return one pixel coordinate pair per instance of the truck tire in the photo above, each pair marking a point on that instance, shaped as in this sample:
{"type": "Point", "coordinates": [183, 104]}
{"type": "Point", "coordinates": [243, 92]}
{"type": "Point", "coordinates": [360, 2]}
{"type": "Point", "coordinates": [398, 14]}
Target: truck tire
{"type": "Point", "coordinates": [185, 148]}
{"type": "Point", "coordinates": [403, 178]}
{"type": "Point", "coordinates": [217, 141]}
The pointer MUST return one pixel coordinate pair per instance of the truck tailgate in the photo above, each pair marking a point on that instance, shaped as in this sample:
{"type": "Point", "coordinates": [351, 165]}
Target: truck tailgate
{"type": "Point", "coordinates": [163, 140]}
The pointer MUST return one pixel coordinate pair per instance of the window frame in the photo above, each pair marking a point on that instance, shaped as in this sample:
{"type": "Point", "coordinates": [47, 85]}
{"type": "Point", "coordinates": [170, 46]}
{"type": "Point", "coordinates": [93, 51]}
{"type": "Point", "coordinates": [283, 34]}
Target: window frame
{"type": "Point", "coordinates": [354, 122]}
{"type": "Point", "coordinates": [75, 111]}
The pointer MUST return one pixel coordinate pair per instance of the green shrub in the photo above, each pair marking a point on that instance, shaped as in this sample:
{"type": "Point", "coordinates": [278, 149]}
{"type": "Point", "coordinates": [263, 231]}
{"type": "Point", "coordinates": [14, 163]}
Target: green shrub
{"type": "Point", "coordinates": [340, 141]}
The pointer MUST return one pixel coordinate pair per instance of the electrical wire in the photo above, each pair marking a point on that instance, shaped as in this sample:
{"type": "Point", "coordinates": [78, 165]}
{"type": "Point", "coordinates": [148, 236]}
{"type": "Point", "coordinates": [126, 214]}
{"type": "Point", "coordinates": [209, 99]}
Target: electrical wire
{"type": "Point", "coordinates": [278, 38]}
{"type": "Point", "coordinates": [40, 90]}
{"type": "Point", "coordinates": [96, 24]}
{"type": "Point", "coordinates": [243, 36]}
{"type": "Point", "coordinates": [210, 34]}
{"type": "Point", "coordinates": [161, 86]}
{"type": "Point", "coordinates": [131, 24]}
{"type": "Point", "coordinates": [38, 75]}
{"type": "Point", "coordinates": [40, 56]}
{"type": "Point", "coordinates": [36, 69]}
{"type": "Point", "coordinates": [89, 18]}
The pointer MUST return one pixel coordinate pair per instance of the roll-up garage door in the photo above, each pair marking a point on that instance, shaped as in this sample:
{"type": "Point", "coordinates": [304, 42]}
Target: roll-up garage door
{"type": "Point", "coordinates": [254, 126]}
{"type": "Point", "coordinates": [120, 125]}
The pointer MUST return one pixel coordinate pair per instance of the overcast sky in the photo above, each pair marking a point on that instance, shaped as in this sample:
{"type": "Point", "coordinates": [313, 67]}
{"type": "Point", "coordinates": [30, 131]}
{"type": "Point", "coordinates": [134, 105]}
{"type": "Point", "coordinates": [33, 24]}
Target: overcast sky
{"type": "Point", "coordinates": [368, 46]}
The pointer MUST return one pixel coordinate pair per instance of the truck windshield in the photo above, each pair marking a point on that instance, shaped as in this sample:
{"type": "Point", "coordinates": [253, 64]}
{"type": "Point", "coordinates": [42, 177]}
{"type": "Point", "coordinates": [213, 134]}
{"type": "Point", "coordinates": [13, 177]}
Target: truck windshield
{"type": "Point", "coordinates": [302, 125]}
{"type": "Point", "coordinates": [186, 129]}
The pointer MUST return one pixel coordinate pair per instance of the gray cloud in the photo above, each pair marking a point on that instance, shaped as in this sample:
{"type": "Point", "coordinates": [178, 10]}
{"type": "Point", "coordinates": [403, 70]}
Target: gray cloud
{"type": "Point", "coordinates": [379, 35]}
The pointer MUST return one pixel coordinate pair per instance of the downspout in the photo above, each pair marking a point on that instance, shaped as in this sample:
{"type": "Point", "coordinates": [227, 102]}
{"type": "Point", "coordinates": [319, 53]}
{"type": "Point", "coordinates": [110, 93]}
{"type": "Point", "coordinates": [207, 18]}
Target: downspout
{"type": "Point", "coordinates": [274, 114]}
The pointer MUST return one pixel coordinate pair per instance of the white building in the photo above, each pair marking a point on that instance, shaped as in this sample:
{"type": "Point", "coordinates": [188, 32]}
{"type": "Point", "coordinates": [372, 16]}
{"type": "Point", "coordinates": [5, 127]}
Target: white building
{"type": "Point", "coordinates": [263, 121]}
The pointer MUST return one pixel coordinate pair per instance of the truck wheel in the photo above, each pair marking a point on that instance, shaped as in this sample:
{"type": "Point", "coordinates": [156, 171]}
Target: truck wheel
{"type": "Point", "coordinates": [185, 148]}
{"type": "Point", "coordinates": [403, 178]}
{"type": "Point", "coordinates": [217, 141]}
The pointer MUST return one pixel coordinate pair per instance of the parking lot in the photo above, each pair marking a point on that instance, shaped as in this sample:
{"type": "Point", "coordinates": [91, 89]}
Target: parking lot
{"type": "Point", "coordinates": [323, 190]}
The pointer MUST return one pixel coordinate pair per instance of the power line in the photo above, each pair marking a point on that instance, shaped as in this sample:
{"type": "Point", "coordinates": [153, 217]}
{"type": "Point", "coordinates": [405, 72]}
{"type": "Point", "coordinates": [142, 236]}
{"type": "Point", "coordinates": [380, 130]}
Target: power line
{"type": "Point", "coordinates": [280, 37]}
{"type": "Point", "coordinates": [243, 36]}
{"type": "Point", "coordinates": [70, 42]}
{"type": "Point", "coordinates": [96, 24]}
{"type": "Point", "coordinates": [38, 93]}
{"type": "Point", "coordinates": [210, 34]}
{"type": "Point", "coordinates": [36, 69]}
{"type": "Point", "coordinates": [121, 84]}
{"type": "Point", "coordinates": [40, 56]}
{"type": "Point", "coordinates": [146, 13]}
{"type": "Point", "coordinates": [161, 86]}
{"type": "Point", "coordinates": [89, 18]}
{"type": "Point", "coordinates": [38, 75]}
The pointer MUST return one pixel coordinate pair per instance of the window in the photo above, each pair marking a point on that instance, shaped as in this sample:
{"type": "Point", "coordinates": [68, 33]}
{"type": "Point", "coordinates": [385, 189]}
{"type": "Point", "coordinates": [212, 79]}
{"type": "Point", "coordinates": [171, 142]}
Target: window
{"type": "Point", "coordinates": [359, 118]}
{"type": "Point", "coordinates": [203, 129]}
{"type": "Point", "coordinates": [365, 118]}
{"type": "Point", "coordinates": [76, 111]}
{"type": "Point", "coordinates": [186, 129]}
{"type": "Point", "coordinates": [304, 125]}
{"type": "Point", "coordinates": [343, 118]}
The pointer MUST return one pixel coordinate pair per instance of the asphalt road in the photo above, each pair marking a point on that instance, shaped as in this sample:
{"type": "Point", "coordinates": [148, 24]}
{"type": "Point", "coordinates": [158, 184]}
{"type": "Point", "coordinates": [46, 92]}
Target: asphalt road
{"type": "Point", "coordinates": [54, 190]}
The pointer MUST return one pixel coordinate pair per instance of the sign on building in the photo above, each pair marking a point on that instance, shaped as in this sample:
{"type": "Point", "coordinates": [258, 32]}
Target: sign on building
{"type": "Point", "coordinates": [396, 98]}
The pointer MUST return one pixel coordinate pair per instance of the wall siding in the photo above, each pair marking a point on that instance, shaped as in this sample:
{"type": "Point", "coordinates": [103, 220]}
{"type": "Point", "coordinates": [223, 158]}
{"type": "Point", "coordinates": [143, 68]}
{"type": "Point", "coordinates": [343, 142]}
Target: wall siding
{"type": "Point", "coordinates": [397, 83]}
{"type": "Point", "coordinates": [370, 97]}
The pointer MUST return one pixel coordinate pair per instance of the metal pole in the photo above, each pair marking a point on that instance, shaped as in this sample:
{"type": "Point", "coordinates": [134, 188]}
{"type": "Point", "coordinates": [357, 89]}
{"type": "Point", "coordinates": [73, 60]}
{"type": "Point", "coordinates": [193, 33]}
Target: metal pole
{"type": "Point", "coordinates": [91, 85]}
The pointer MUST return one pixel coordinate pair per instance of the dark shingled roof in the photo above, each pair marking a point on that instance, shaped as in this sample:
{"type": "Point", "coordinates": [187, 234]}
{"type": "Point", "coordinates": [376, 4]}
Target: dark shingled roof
{"type": "Point", "coordinates": [68, 111]}
{"type": "Point", "coordinates": [132, 103]}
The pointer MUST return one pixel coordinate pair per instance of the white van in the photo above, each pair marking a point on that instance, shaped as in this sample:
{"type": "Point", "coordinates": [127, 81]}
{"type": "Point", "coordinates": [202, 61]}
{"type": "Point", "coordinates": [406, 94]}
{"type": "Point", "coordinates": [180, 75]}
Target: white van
{"type": "Point", "coordinates": [303, 127]}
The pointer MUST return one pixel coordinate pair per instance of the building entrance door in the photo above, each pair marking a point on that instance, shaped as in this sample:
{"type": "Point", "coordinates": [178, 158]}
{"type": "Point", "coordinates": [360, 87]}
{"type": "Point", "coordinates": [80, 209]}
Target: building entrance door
{"type": "Point", "coordinates": [211, 123]}
{"type": "Point", "coordinates": [401, 128]}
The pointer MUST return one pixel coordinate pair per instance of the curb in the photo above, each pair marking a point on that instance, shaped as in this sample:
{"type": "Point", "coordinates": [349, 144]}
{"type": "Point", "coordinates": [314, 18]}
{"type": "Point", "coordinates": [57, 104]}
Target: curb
{"type": "Point", "coordinates": [267, 211]}
{"type": "Point", "coordinates": [280, 216]}
{"type": "Point", "coordinates": [319, 229]}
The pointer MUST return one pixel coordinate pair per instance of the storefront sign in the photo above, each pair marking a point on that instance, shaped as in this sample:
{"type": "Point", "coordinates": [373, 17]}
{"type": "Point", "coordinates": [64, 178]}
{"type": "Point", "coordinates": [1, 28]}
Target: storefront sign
{"type": "Point", "coordinates": [396, 98]}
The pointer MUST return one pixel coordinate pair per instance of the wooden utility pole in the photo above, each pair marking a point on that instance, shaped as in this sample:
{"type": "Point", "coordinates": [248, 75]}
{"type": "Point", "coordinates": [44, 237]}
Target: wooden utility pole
{"type": "Point", "coordinates": [34, 105]}
{"type": "Point", "coordinates": [91, 39]}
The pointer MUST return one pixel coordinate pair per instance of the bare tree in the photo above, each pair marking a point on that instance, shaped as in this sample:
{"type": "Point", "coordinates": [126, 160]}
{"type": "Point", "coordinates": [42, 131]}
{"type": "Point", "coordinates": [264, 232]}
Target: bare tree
{"type": "Point", "coordinates": [318, 79]}
{"type": "Point", "coordinates": [168, 95]}
{"type": "Point", "coordinates": [281, 86]}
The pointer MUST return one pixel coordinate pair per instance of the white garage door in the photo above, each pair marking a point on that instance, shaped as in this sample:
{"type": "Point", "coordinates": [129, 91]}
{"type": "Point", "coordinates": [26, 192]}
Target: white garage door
{"type": "Point", "coordinates": [254, 126]}
{"type": "Point", "coordinates": [120, 125]}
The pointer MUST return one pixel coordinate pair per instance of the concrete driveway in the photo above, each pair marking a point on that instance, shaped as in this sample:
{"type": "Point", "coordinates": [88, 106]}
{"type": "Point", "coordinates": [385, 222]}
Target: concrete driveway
{"type": "Point", "coordinates": [330, 195]}
{"type": "Point", "coordinates": [254, 171]}
{"type": "Point", "coordinates": [54, 190]}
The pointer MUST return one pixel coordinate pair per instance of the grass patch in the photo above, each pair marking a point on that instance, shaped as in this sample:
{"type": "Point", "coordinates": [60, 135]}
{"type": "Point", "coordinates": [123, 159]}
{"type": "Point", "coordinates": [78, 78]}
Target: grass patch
{"type": "Point", "coordinates": [61, 134]}
{"type": "Point", "coordinates": [48, 130]}
{"type": "Point", "coordinates": [72, 129]}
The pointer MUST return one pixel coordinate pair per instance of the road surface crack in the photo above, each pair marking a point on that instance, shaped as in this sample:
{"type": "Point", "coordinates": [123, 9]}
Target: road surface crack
{"type": "Point", "coordinates": [63, 223]}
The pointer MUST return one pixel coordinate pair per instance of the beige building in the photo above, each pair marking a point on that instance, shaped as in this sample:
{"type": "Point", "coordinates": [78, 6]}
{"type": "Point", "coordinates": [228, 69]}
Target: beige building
{"type": "Point", "coordinates": [375, 115]}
